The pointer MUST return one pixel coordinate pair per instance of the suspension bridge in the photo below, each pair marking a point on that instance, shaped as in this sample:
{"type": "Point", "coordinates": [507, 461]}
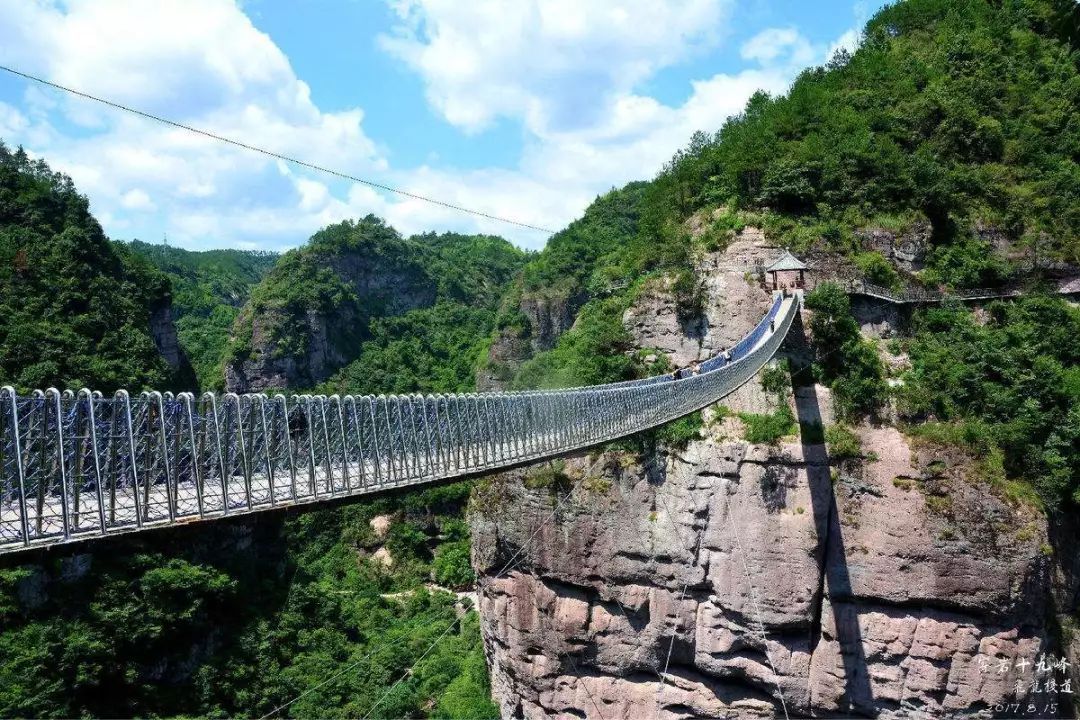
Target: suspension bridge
{"type": "Point", "coordinates": [76, 466]}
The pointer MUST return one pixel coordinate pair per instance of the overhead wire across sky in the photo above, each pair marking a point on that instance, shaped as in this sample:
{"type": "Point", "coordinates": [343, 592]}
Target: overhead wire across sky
{"type": "Point", "coordinates": [275, 155]}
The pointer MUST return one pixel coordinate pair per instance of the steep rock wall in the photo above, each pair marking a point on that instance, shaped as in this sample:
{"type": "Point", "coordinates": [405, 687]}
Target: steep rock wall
{"type": "Point", "coordinates": [163, 330]}
{"type": "Point", "coordinates": [322, 340]}
{"type": "Point", "coordinates": [733, 301]}
{"type": "Point", "coordinates": [750, 577]}
{"type": "Point", "coordinates": [731, 580]}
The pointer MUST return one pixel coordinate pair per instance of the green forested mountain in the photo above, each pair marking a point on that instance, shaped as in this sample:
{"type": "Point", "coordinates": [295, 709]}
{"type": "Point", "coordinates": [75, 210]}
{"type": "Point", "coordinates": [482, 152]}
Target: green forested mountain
{"type": "Point", "coordinates": [229, 620]}
{"type": "Point", "coordinates": [436, 349]}
{"type": "Point", "coordinates": [591, 252]}
{"type": "Point", "coordinates": [75, 310]}
{"type": "Point", "coordinates": [330, 302]}
{"type": "Point", "coordinates": [960, 113]}
{"type": "Point", "coordinates": [208, 289]}
{"type": "Point", "coordinates": [963, 115]}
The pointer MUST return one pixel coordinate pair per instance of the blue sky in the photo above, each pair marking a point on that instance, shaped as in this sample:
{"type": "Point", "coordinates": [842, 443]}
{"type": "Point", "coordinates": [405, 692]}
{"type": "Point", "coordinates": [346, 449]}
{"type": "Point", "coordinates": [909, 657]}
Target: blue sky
{"type": "Point", "coordinates": [518, 108]}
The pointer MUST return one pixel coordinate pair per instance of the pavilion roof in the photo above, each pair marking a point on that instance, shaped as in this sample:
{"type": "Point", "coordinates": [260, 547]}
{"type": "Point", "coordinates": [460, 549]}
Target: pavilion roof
{"type": "Point", "coordinates": [787, 261]}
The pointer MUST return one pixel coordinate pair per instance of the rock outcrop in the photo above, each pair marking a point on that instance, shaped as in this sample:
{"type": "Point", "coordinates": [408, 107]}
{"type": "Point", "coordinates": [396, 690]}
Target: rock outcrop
{"type": "Point", "coordinates": [289, 346]}
{"type": "Point", "coordinates": [549, 317]}
{"type": "Point", "coordinates": [907, 249]}
{"type": "Point", "coordinates": [733, 302]}
{"type": "Point", "coordinates": [545, 317]}
{"type": "Point", "coordinates": [730, 579]}
{"type": "Point", "coordinates": [163, 330]}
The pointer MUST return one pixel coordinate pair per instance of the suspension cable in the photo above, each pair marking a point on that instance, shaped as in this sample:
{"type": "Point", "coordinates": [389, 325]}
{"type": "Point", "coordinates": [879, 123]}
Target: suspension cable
{"type": "Point", "coordinates": [273, 154]}
{"type": "Point", "coordinates": [756, 610]}
{"type": "Point", "coordinates": [520, 552]}
{"type": "Point", "coordinates": [682, 596]}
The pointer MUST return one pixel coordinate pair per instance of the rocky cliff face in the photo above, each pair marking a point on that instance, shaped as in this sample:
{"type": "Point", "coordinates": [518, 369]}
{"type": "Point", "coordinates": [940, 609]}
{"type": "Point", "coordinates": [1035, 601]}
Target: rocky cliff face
{"type": "Point", "coordinates": [163, 328]}
{"type": "Point", "coordinates": [732, 580]}
{"type": "Point", "coordinates": [907, 249]}
{"type": "Point", "coordinates": [298, 349]}
{"type": "Point", "coordinates": [549, 317]}
{"type": "Point", "coordinates": [546, 318]}
{"type": "Point", "coordinates": [733, 302]}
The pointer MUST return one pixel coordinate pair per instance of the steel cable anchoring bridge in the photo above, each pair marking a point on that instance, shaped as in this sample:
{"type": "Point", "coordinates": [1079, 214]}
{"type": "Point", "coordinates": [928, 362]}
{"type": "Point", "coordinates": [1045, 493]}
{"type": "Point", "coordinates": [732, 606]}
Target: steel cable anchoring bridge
{"type": "Point", "coordinates": [75, 466]}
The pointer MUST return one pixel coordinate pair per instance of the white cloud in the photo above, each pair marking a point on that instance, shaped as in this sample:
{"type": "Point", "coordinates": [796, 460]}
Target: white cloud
{"type": "Point", "coordinates": [852, 37]}
{"type": "Point", "coordinates": [558, 64]}
{"type": "Point", "coordinates": [772, 44]}
{"type": "Point", "coordinates": [569, 71]}
{"type": "Point", "coordinates": [848, 42]}
{"type": "Point", "coordinates": [569, 75]}
{"type": "Point", "coordinates": [201, 62]}
{"type": "Point", "coordinates": [137, 200]}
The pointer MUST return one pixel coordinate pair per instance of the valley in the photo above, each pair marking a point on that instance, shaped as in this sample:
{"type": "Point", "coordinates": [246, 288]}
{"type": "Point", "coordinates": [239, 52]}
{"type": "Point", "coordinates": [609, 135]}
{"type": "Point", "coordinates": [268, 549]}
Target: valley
{"type": "Point", "coordinates": [887, 509]}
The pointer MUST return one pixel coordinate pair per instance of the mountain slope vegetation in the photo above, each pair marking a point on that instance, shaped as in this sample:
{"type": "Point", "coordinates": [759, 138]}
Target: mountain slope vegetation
{"type": "Point", "coordinates": [75, 310]}
{"type": "Point", "coordinates": [436, 349]}
{"type": "Point", "coordinates": [230, 620]}
{"type": "Point", "coordinates": [208, 289]}
{"type": "Point", "coordinates": [309, 317]}
{"type": "Point", "coordinates": [959, 112]}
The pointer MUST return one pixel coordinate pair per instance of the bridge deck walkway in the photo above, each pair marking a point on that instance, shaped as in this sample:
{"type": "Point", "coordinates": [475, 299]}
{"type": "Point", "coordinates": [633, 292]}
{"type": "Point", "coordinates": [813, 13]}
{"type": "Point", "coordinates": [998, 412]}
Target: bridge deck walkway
{"type": "Point", "coordinates": [61, 481]}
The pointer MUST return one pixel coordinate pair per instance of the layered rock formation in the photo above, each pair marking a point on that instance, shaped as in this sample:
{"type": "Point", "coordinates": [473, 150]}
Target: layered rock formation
{"type": "Point", "coordinates": [733, 580]}
{"type": "Point", "coordinates": [733, 303]}
{"type": "Point", "coordinates": [298, 348]}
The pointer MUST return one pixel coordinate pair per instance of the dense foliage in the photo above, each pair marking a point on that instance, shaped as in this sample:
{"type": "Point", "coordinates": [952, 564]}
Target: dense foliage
{"type": "Point", "coordinates": [592, 352]}
{"type": "Point", "coordinates": [433, 350]}
{"type": "Point", "coordinates": [844, 360]}
{"type": "Point", "coordinates": [593, 252]}
{"type": "Point", "coordinates": [1010, 384]}
{"type": "Point", "coordinates": [359, 277]}
{"type": "Point", "coordinates": [208, 289]}
{"type": "Point", "coordinates": [75, 310]}
{"type": "Point", "coordinates": [961, 112]}
{"type": "Point", "coordinates": [203, 624]}
{"type": "Point", "coordinates": [231, 623]}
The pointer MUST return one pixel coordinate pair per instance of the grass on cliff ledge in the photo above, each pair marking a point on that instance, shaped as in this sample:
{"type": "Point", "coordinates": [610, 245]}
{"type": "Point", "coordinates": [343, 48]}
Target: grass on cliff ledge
{"type": "Point", "coordinates": [767, 429]}
{"type": "Point", "coordinates": [1005, 386]}
{"type": "Point", "coordinates": [984, 459]}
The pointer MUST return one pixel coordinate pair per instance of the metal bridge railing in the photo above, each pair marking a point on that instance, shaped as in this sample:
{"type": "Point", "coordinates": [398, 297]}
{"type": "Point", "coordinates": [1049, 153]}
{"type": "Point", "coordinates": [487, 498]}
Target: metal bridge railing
{"type": "Point", "coordinates": [921, 295]}
{"type": "Point", "coordinates": [79, 465]}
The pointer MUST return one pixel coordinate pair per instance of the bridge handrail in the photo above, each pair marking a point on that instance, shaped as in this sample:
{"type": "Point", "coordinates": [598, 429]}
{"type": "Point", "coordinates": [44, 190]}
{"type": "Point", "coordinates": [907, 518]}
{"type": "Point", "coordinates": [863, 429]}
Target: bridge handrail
{"type": "Point", "coordinates": [861, 287]}
{"type": "Point", "coordinates": [79, 465]}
